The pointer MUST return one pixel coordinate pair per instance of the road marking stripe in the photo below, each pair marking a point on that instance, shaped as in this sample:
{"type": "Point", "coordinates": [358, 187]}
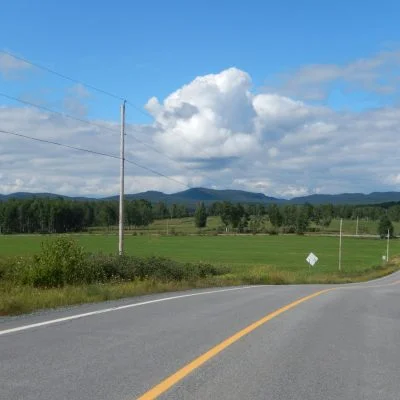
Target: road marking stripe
{"type": "Point", "coordinates": [106, 310]}
{"type": "Point", "coordinates": [199, 361]}
{"type": "Point", "coordinates": [362, 285]}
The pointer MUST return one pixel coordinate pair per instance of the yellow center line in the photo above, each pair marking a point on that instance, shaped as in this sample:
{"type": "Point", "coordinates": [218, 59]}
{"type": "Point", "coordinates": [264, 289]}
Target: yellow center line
{"type": "Point", "coordinates": [167, 383]}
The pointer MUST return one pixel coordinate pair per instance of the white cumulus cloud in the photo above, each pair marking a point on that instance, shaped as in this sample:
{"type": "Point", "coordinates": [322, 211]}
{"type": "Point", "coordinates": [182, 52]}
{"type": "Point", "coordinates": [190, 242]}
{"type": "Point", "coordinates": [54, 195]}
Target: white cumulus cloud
{"type": "Point", "coordinates": [216, 131]}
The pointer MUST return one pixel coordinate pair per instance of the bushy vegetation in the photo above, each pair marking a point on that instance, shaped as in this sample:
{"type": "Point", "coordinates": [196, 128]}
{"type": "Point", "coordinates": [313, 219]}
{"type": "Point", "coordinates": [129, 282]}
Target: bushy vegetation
{"type": "Point", "coordinates": [63, 262]}
{"type": "Point", "coordinates": [385, 227]}
{"type": "Point", "coordinates": [200, 216]}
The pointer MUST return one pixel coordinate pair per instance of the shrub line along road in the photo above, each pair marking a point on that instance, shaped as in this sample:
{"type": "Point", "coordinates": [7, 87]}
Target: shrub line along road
{"type": "Point", "coordinates": [264, 342]}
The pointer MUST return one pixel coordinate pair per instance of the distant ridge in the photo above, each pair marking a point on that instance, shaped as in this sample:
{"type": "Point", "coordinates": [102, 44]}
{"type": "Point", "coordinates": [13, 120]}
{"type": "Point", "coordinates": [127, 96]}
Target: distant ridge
{"type": "Point", "coordinates": [194, 195]}
{"type": "Point", "coordinates": [28, 195]}
{"type": "Point", "coordinates": [348, 198]}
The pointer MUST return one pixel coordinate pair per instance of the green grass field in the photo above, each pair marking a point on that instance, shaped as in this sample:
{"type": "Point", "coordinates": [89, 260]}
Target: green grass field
{"type": "Point", "coordinates": [186, 226]}
{"type": "Point", "coordinates": [284, 252]}
{"type": "Point", "coordinates": [164, 226]}
{"type": "Point", "coordinates": [257, 259]}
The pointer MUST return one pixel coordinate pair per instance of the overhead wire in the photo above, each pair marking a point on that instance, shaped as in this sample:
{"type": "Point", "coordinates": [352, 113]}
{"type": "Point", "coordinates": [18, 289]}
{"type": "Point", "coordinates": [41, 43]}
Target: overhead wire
{"type": "Point", "coordinates": [97, 89]}
{"type": "Point", "coordinates": [52, 71]}
{"type": "Point", "coordinates": [58, 144]}
{"type": "Point", "coordinates": [107, 93]}
{"type": "Point", "coordinates": [93, 152]}
{"type": "Point", "coordinates": [63, 114]}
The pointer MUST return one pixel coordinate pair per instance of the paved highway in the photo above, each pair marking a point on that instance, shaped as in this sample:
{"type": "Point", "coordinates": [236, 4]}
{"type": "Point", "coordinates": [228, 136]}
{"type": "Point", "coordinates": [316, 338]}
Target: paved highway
{"type": "Point", "coordinates": [265, 342]}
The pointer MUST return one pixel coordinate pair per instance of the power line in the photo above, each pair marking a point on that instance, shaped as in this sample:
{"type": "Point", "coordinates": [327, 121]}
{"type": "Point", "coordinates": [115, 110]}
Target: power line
{"type": "Point", "coordinates": [63, 114]}
{"type": "Point", "coordinates": [105, 92]}
{"type": "Point", "coordinates": [51, 71]}
{"type": "Point", "coordinates": [176, 133]}
{"type": "Point", "coordinates": [94, 152]}
{"type": "Point", "coordinates": [77, 81]}
{"type": "Point", "coordinates": [28, 103]}
{"type": "Point", "coordinates": [96, 89]}
{"type": "Point", "coordinates": [157, 173]}
{"type": "Point", "coordinates": [66, 115]}
{"type": "Point", "coordinates": [147, 114]}
{"type": "Point", "coordinates": [58, 144]}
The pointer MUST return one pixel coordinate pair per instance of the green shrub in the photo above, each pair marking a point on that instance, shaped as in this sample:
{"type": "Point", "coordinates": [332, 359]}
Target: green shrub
{"type": "Point", "coordinates": [221, 229]}
{"type": "Point", "coordinates": [13, 269]}
{"type": "Point", "coordinates": [60, 262]}
{"type": "Point", "coordinates": [288, 229]}
{"type": "Point", "coordinates": [3, 268]}
{"type": "Point", "coordinates": [127, 268]}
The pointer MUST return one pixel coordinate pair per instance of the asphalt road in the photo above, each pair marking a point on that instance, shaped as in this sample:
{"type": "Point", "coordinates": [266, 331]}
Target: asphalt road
{"type": "Point", "coordinates": [340, 344]}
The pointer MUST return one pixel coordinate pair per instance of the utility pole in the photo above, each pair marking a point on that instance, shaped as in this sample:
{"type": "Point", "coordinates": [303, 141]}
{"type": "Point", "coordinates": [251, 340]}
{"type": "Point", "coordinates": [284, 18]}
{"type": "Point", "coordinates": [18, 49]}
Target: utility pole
{"type": "Point", "coordinates": [168, 218]}
{"type": "Point", "coordinates": [340, 245]}
{"type": "Point", "coordinates": [357, 227]}
{"type": "Point", "coordinates": [387, 246]}
{"type": "Point", "coordinates": [122, 181]}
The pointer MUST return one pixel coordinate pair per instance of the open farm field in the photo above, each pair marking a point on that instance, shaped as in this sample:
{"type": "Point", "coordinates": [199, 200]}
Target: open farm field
{"type": "Point", "coordinates": [239, 259]}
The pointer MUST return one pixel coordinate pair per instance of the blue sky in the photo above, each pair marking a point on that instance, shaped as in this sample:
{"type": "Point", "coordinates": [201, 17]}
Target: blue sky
{"type": "Point", "coordinates": [150, 48]}
{"type": "Point", "coordinates": [341, 55]}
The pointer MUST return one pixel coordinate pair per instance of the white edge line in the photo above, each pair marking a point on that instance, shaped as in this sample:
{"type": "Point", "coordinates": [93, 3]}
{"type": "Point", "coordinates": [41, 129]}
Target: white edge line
{"type": "Point", "coordinates": [106, 310]}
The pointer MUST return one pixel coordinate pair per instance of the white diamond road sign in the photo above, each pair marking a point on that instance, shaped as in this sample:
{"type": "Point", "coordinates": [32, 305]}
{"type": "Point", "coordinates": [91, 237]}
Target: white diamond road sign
{"type": "Point", "coordinates": [312, 259]}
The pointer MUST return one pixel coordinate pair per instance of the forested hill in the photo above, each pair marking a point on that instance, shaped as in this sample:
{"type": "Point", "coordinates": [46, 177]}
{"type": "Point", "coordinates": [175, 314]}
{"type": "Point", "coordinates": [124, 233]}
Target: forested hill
{"type": "Point", "coordinates": [208, 196]}
{"type": "Point", "coordinates": [28, 195]}
{"type": "Point", "coordinates": [192, 196]}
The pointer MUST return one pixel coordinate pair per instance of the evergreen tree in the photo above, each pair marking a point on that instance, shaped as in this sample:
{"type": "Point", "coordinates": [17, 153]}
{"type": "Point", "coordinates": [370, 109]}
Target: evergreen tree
{"type": "Point", "coordinates": [275, 216]}
{"type": "Point", "coordinates": [384, 226]}
{"type": "Point", "coordinates": [200, 216]}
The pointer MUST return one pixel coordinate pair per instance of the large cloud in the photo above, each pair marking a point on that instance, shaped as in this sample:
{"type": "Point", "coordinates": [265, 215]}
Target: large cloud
{"type": "Point", "coordinates": [216, 131]}
{"type": "Point", "coordinates": [212, 117]}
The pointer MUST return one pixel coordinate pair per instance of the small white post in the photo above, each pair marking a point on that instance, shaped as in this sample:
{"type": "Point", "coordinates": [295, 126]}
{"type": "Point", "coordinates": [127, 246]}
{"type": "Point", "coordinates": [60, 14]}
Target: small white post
{"type": "Point", "coordinates": [340, 245]}
{"type": "Point", "coordinates": [121, 188]}
{"type": "Point", "coordinates": [387, 246]}
{"type": "Point", "coordinates": [357, 227]}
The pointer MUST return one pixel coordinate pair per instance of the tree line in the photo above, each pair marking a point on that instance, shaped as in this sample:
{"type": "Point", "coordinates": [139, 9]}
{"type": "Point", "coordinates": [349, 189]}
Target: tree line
{"type": "Point", "coordinates": [61, 215]}
{"type": "Point", "coordinates": [295, 218]}
{"type": "Point", "coordinates": [38, 215]}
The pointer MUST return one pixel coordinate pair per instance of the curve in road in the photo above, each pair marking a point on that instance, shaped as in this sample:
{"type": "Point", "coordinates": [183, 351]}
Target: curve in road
{"type": "Point", "coordinates": [258, 342]}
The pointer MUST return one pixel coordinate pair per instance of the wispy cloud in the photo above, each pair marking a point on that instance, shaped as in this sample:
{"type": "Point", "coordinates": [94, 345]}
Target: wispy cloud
{"type": "Point", "coordinates": [78, 90]}
{"type": "Point", "coordinates": [10, 67]}
{"type": "Point", "coordinates": [75, 101]}
{"type": "Point", "coordinates": [377, 74]}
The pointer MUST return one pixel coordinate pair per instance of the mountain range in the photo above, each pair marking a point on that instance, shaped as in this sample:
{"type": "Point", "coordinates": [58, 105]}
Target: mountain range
{"type": "Point", "coordinates": [195, 195]}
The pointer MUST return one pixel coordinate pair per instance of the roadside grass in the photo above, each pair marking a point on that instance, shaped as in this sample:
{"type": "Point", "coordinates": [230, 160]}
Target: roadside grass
{"type": "Point", "coordinates": [21, 299]}
{"type": "Point", "coordinates": [245, 259]}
